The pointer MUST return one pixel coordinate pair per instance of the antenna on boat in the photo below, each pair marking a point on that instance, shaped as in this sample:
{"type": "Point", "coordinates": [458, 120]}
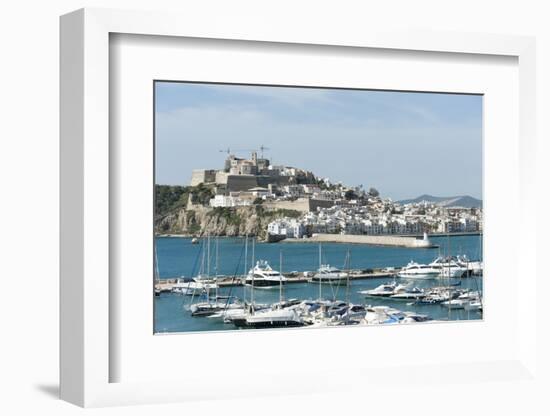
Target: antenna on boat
{"type": "Point", "coordinates": [253, 252]}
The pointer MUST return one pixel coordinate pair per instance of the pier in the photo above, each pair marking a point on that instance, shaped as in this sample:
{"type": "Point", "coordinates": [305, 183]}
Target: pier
{"type": "Point", "coordinates": [378, 240]}
{"type": "Point", "coordinates": [166, 285]}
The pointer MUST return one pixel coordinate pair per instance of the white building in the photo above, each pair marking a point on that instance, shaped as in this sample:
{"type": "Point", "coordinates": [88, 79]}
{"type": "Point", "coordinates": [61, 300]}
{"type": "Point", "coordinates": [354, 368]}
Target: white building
{"type": "Point", "coordinates": [291, 228]}
{"type": "Point", "coordinates": [224, 201]}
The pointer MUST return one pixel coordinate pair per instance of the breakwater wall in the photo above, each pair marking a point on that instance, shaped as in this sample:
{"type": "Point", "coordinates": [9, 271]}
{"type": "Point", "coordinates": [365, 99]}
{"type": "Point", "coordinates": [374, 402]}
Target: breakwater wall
{"type": "Point", "coordinates": [378, 240]}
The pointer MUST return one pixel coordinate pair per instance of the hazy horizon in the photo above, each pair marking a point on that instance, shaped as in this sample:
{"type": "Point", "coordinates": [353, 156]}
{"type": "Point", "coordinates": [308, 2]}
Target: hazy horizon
{"type": "Point", "coordinates": [403, 144]}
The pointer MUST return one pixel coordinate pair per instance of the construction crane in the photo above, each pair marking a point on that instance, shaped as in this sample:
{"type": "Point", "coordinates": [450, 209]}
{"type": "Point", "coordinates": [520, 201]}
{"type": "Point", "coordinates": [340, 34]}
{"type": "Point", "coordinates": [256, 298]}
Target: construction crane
{"type": "Point", "coordinates": [229, 150]}
{"type": "Point", "coordinates": [262, 148]}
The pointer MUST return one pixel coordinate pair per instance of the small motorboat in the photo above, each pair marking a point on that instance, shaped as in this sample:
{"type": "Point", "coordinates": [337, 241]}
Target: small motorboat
{"type": "Point", "coordinates": [384, 290]}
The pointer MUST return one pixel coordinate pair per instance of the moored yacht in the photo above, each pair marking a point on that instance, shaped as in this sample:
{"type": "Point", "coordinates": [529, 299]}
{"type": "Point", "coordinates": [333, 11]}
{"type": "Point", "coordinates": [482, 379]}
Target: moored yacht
{"type": "Point", "coordinates": [450, 266]}
{"type": "Point", "coordinates": [453, 270]}
{"type": "Point", "coordinates": [415, 270]}
{"type": "Point", "coordinates": [473, 267]}
{"type": "Point", "coordinates": [263, 276]}
{"type": "Point", "coordinates": [275, 318]}
{"type": "Point", "coordinates": [384, 290]}
{"type": "Point", "coordinates": [195, 286]}
{"type": "Point", "coordinates": [408, 294]}
{"type": "Point", "coordinates": [329, 274]}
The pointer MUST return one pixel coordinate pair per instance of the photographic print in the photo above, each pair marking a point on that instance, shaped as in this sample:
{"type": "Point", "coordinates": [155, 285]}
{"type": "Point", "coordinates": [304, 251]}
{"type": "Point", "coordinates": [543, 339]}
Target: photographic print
{"type": "Point", "coordinates": [295, 207]}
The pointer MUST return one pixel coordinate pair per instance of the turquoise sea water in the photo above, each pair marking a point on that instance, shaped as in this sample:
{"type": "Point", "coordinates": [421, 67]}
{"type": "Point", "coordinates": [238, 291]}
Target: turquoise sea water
{"type": "Point", "coordinates": [177, 257]}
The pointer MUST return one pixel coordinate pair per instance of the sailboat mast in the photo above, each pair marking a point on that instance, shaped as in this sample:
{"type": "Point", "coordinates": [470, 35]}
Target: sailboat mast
{"type": "Point", "coordinates": [208, 256]}
{"type": "Point", "coordinates": [203, 258]}
{"type": "Point", "coordinates": [281, 278]}
{"type": "Point", "coordinates": [253, 263]}
{"type": "Point", "coordinates": [449, 272]}
{"type": "Point", "coordinates": [216, 270]}
{"type": "Point", "coordinates": [320, 265]}
{"type": "Point", "coordinates": [348, 258]}
{"type": "Point", "coordinates": [245, 265]}
{"type": "Point", "coordinates": [157, 273]}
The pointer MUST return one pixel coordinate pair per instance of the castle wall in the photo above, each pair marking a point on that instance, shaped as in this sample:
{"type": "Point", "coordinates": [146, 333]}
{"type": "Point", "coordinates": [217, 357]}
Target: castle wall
{"type": "Point", "coordinates": [199, 176]}
{"type": "Point", "coordinates": [221, 177]}
{"type": "Point", "coordinates": [266, 180]}
{"type": "Point", "coordinates": [241, 182]}
{"type": "Point", "coordinates": [300, 204]}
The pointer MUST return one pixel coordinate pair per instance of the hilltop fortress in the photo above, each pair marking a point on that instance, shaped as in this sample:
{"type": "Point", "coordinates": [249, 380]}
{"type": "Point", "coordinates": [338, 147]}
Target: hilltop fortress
{"type": "Point", "coordinates": [242, 175]}
{"type": "Point", "coordinates": [283, 202]}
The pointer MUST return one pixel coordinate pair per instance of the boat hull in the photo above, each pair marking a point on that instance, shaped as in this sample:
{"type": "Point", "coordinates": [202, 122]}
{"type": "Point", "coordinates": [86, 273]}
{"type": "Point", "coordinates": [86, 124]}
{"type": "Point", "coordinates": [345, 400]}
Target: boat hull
{"type": "Point", "coordinates": [420, 276]}
{"type": "Point", "coordinates": [264, 283]}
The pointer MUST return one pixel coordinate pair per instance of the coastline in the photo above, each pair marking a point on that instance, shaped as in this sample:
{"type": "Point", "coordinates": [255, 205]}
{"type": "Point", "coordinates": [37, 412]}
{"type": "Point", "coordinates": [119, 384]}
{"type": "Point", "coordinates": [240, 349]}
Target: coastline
{"type": "Point", "coordinates": [312, 239]}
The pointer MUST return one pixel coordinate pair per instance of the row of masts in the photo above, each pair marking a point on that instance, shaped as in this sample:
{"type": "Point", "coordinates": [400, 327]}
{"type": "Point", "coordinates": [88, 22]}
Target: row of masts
{"type": "Point", "coordinates": [205, 272]}
{"type": "Point", "coordinates": [206, 266]}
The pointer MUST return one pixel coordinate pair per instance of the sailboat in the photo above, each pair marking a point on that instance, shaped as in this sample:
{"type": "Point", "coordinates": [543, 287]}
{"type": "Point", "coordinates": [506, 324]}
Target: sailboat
{"type": "Point", "coordinates": [202, 283]}
{"type": "Point", "coordinates": [208, 307]}
{"type": "Point", "coordinates": [276, 317]}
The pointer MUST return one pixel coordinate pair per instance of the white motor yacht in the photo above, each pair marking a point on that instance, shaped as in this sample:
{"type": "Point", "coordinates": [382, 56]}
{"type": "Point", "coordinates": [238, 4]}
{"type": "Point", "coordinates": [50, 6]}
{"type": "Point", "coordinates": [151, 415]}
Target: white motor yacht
{"type": "Point", "coordinates": [473, 305]}
{"type": "Point", "coordinates": [270, 318]}
{"type": "Point", "coordinates": [384, 290]}
{"type": "Point", "coordinates": [329, 274]}
{"type": "Point", "coordinates": [453, 270]}
{"type": "Point", "coordinates": [196, 286]}
{"type": "Point", "coordinates": [455, 303]}
{"type": "Point", "coordinates": [473, 267]}
{"type": "Point", "coordinates": [453, 266]}
{"type": "Point", "coordinates": [376, 315]}
{"type": "Point", "coordinates": [407, 293]}
{"type": "Point", "coordinates": [262, 276]}
{"type": "Point", "coordinates": [415, 270]}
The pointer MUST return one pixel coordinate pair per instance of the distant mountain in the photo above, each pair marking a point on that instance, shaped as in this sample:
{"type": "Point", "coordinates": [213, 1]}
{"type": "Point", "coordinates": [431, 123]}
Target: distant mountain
{"type": "Point", "coordinates": [465, 201]}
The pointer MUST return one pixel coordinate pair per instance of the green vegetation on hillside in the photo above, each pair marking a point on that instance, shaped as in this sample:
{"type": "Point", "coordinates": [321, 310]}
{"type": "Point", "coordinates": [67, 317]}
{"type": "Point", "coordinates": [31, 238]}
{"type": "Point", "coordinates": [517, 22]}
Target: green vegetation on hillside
{"type": "Point", "coordinates": [170, 198]}
{"type": "Point", "coordinates": [290, 213]}
{"type": "Point", "coordinates": [231, 215]}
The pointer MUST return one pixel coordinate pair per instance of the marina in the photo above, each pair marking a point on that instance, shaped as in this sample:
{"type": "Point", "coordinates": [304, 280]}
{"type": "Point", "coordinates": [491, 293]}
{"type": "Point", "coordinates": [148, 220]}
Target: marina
{"type": "Point", "coordinates": [262, 285]}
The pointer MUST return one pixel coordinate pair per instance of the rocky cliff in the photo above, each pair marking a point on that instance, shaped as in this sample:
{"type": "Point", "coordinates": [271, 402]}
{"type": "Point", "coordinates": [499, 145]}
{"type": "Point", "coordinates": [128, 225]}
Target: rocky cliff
{"type": "Point", "coordinates": [238, 221]}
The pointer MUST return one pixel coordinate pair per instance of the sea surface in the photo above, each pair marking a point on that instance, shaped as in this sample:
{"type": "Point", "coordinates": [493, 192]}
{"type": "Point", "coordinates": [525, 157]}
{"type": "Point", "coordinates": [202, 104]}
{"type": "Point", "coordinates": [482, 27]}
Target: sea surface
{"type": "Point", "coordinates": [178, 257]}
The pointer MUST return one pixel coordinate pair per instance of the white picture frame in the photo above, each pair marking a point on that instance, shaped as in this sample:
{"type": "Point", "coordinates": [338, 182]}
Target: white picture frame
{"type": "Point", "coordinates": [87, 356]}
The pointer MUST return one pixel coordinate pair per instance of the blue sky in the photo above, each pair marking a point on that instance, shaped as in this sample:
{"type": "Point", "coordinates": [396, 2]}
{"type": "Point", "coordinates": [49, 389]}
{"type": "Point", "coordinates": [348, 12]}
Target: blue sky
{"type": "Point", "coordinates": [404, 144]}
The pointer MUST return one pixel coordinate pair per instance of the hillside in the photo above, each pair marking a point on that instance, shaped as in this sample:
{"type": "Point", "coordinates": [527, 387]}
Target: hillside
{"type": "Point", "coordinates": [173, 214]}
{"type": "Point", "coordinates": [464, 201]}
